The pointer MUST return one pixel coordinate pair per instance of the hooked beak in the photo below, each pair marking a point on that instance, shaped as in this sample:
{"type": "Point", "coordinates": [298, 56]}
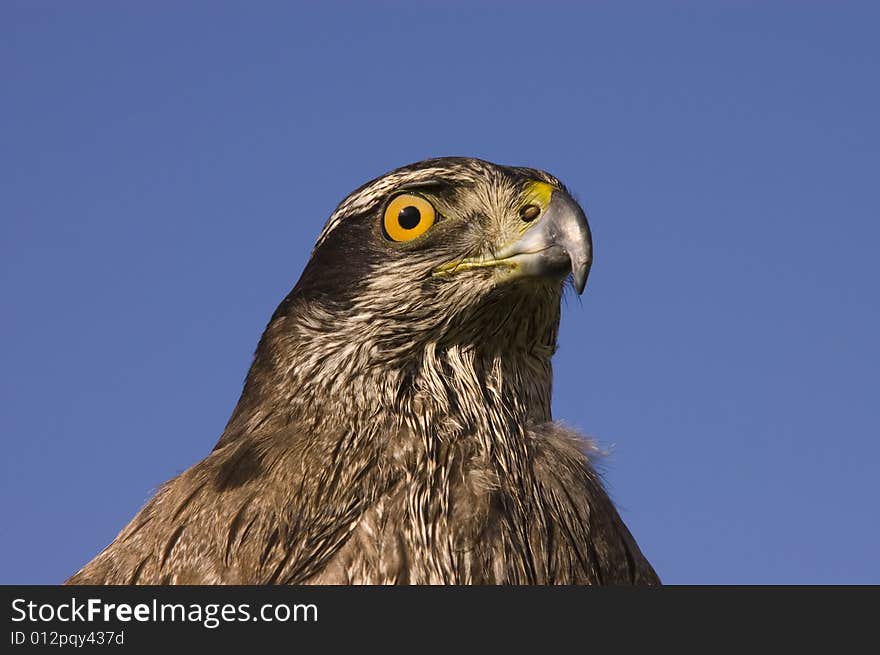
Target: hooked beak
{"type": "Point", "coordinates": [554, 245]}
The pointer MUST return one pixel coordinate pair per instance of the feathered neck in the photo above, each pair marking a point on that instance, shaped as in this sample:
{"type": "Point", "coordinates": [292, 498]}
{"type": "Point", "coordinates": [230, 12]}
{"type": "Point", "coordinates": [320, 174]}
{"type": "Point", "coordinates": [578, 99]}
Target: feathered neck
{"type": "Point", "coordinates": [325, 371]}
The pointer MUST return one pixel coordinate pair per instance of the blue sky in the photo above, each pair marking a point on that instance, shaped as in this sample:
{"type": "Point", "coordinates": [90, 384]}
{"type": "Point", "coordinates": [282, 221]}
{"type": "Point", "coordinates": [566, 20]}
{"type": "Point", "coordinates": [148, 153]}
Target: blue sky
{"type": "Point", "coordinates": [166, 168]}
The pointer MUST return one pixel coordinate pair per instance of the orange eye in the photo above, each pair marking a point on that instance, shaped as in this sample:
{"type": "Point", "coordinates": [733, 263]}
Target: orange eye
{"type": "Point", "coordinates": [407, 217]}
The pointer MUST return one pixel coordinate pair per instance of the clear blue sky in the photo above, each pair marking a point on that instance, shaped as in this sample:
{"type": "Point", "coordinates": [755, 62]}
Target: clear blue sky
{"type": "Point", "coordinates": [166, 168]}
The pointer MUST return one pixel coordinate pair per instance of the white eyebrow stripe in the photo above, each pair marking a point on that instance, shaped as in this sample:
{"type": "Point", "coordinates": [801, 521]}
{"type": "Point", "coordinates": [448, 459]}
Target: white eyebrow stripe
{"type": "Point", "coordinates": [364, 198]}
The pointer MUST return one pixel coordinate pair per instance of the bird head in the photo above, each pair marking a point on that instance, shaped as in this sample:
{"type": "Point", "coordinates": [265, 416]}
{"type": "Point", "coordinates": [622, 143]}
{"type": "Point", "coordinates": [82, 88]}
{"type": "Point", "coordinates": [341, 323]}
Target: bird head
{"type": "Point", "coordinates": [450, 250]}
{"type": "Point", "coordinates": [434, 283]}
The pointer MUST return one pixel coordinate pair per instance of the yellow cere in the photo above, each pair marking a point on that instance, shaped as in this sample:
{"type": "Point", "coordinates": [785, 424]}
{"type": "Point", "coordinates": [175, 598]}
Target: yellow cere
{"type": "Point", "coordinates": [407, 217]}
{"type": "Point", "coordinates": [538, 193]}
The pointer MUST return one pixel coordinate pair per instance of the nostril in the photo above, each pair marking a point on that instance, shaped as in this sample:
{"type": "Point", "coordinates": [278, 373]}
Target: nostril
{"type": "Point", "coordinates": [529, 213]}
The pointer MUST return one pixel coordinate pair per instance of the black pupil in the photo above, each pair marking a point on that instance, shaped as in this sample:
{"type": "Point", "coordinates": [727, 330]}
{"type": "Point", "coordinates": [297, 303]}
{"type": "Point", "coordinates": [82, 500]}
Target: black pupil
{"type": "Point", "coordinates": [409, 217]}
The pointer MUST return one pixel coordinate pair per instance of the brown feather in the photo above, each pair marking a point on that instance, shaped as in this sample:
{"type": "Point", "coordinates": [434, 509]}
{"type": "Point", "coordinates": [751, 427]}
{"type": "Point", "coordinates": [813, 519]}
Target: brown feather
{"type": "Point", "coordinates": [394, 427]}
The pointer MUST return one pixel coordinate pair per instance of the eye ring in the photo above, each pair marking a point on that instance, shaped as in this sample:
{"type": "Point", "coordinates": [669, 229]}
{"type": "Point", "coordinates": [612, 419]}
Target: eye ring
{"type": "Point", "coordinates": [407, 217]}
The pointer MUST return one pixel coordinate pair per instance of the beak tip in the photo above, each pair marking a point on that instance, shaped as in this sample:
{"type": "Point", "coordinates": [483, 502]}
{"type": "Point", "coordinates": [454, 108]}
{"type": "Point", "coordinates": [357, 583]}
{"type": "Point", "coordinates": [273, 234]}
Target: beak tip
{"type": "Point", "coordinates": [579, 277]}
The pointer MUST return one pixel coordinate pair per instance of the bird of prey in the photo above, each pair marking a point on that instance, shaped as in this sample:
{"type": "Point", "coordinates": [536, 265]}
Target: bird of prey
{"type": "Point", "coordinates": [394, 426]}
